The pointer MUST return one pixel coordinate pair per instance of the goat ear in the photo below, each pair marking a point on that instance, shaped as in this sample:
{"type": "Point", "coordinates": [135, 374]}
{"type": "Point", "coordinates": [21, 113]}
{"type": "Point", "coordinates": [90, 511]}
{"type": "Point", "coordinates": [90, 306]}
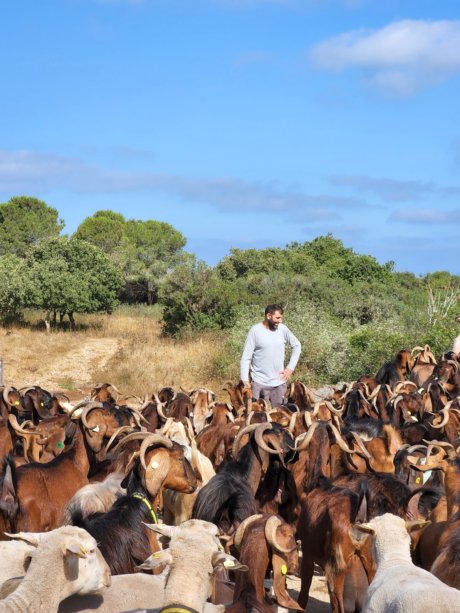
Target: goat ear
{"type": "Point", "coordinates": [412, 526]}
{"type": "Point", "coordinates": [33, 538]}
{"type": "Point", "coordinates": [75, 548]}
{"type": "Point", "coordinates": [359, 533]}
{"type": "Point", "coordinates": [162, 529]}
{"type": "Point", "coordinates": [156, 559]}
{"type": "Point", "coordinates": [8, 498]}
{"type": "Point", "coordinates": [221, 559]}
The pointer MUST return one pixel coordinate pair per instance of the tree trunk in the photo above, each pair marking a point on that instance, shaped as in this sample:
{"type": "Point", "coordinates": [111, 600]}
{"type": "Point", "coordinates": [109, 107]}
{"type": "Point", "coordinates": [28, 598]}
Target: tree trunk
{"type": "Point", "coordinates": [47, 321]}
{"type": "Point", "coordinates": [72, 321]}
{"type": "Point", "coordinates": [61, 318]}
{"type": "Point", "coordinates": [53, 320]}
{"type": "Point", "coordinates": [150, 290]}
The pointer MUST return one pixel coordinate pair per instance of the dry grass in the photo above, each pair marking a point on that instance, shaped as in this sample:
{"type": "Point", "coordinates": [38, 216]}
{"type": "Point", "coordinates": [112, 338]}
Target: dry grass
{"type": "Point", "coordinates": [125, 348]}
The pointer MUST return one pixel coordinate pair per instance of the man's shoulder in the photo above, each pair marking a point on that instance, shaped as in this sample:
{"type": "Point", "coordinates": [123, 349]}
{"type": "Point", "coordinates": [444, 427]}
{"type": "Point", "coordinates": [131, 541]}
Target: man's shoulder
{"type": "Point", "coordinates": [256, 328]}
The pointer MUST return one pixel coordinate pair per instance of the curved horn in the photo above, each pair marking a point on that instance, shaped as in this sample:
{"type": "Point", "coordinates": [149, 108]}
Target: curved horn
{"type": "Point", "coordinates": [13, 421]}
{"type": "Point", "coordinates": [153, 439]}
{"type": "Point", "coordinates": [270, 534]}
{"type": "Point", "coordinates": [89, 407]}
{"type": "Point", "coordinates": [239, 436]}
{"type": "Point", "coordinates": [160, 406]}
{"type": "Point", "coordinates": [306, 440]}
{"type": "Point", "coordinates": [237, 539]}
{"type": "Point", "coordinates": [115, 434]}
{"type": "Point", "coordinates": [258, 435]}
{"type": "Point", "coordinates": [419, 349]}
{"type": "Point", "coordinates": [339, 439]}
{"type": "Point", "coordinates": [130, 437]}
{"type": "Point", "coordinates": [445, 418]}
{"type": "Point", "coordinates": [6, 391]}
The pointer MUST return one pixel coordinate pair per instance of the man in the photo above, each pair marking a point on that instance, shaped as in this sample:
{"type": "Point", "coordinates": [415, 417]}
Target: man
{"type": "Point", "coordinates": [264, 353]}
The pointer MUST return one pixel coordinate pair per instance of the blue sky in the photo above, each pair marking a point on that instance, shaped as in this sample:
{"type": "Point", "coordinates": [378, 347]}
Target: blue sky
{"type": "Point", "coordinates": [243, 123]}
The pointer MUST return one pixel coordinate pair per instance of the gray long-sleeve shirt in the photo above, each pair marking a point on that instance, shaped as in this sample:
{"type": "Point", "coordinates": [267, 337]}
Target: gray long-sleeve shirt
{"type": "Point", "coordinates": [264, 353]}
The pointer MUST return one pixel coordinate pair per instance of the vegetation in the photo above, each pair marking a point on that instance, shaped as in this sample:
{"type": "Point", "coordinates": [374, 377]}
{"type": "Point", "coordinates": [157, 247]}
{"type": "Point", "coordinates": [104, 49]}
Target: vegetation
{"type": "Point", "coordinates": [350, 312]}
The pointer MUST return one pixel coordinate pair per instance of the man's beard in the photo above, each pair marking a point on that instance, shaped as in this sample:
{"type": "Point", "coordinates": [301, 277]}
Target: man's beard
{"type": "Point", "coordinates": [272, 325]}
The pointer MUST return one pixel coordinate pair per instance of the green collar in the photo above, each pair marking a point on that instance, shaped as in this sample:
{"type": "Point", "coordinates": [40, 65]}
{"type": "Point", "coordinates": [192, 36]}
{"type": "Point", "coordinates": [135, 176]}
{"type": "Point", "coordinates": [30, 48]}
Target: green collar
{"type": "Point", "coordinates": [139, 496]}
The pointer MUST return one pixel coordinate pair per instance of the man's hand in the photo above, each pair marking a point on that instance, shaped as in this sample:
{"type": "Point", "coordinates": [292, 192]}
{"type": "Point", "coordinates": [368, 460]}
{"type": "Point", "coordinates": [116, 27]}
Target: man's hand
{"type": "Point", "coordinates": [286, 374]}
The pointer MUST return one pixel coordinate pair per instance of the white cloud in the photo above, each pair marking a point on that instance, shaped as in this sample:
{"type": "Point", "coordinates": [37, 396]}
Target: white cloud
{"type": "Point", "coordinates": [426, 216]}
{"type": "Point", "coordinates": [22, 171]}
{"type": "Point", "coordinates": [400, 58]}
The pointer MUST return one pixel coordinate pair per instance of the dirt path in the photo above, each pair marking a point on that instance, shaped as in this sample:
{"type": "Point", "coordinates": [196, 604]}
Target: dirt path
{"type": "Point", "coordinates": [55, 364]}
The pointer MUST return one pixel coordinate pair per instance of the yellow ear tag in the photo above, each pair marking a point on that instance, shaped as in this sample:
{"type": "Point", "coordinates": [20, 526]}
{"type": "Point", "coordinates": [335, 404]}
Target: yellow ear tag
{"type": "Point", "coordinates": [284, 569]}
{"type": "Point", "coordinates": [417, 480]}
{"type": "Point", "coordinates": [83, 550]}
{"type": "Point", "coordinates": [156, 555]}
{"type": "Point", "coordinates": [229, 563]}
{"type": "Point", "coordinates": [41, 404]}
{"type": "Point", "coordinates": [16, 402]}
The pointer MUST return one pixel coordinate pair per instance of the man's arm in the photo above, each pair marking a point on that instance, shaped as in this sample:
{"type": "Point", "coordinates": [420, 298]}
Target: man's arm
{"type": "Point", "coordinates": [246, 358]}
{"type": "Point", "coordinates": [296, 349]}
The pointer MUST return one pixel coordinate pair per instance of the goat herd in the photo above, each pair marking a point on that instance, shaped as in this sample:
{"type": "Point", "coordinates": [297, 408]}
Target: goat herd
{"type": "Point", "coordinates": [178, 503]}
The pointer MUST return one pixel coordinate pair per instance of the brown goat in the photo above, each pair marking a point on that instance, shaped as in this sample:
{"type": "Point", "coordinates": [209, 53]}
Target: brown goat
{"type": "Point", "coordinates": [265, 541]}
{"type": "Point", "coordinates": [33, 496]}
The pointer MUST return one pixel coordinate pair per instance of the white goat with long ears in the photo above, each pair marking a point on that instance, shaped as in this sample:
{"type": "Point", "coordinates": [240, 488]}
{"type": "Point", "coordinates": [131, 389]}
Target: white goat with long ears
{"type": "Point", "coordinates": [66, 561]}
{"type": "Point", "coordinates": [399, 586]}
{"type": "Point", "coordinates": [193, 555]}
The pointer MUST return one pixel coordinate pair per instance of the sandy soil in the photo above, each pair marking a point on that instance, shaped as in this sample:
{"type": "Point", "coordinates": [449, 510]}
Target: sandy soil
{"type": "Point", "coordinates": [318, 601]}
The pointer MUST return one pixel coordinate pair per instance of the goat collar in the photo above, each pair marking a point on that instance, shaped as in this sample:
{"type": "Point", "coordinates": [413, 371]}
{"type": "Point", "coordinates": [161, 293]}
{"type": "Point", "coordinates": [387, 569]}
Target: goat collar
{"type": "Point", "coordinates": [140, 496]}
{"type": "Point", "coordinates": [177, 608]}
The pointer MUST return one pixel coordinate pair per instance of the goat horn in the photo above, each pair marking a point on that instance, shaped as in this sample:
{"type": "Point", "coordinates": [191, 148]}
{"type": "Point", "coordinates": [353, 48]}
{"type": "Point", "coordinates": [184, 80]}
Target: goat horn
{"type": "Point", "coordinates": [237, 539]}
{"type": "Point", "coordinates": [307, 418]}
{"type": "Point", "coordinates": [270, 534]}
{"type": "Point", "coordinates": [258, 435]}
{"type": "Point", "coordinates": [454, 364]}
{"type": "Point", "coordinates": [241, 433]}
{"type": "Point", "coordinates": [445, 418]}
{"type": "Point", "coordinates": [13, 421]}
{"type": "Point", "coordinates": [361, 446]}
{"type": "Point", "coordinates": [332, 409]}
{"type": "Point", "coordinates": [160, 408]}
{"type": "Point", "coordinates": [130, 437]}
{"type": "Point", "coordinates": [306, 440]}
{"type": "Point", "coordinates": [153, 439]}
{"type": "Point", "coordinates": [226, 385]}
{"type": "Point", "coordinates": [90, 407]}
{"type": "Point", "coordinates": [115, 434]}
{"type": "Point", "coordinates": [249, 417]}
{"type": "Point", "coordinates": [416, 349]}
{"type": "Point", "coordinates": [6, 391]}
{"type": "Point", "coordinates": [339, 438]}
{"type": "Point", "coordinates": [24, 390]}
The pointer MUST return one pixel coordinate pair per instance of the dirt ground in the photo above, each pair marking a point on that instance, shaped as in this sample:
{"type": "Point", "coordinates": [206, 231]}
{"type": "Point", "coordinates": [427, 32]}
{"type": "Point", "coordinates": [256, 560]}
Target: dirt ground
{"type": "Point", "coordinates": [78, 365]}
{"type": "Point", "coordinates": [318, 601]}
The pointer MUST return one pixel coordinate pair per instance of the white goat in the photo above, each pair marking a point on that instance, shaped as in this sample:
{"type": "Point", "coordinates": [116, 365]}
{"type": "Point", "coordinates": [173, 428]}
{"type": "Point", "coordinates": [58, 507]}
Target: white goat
{"type": "Point", "coordinates": [13, 556]}
{"type": "Point", "coordinates": [193, 555]}
{"type": "Point", "coordinates": [399, 586]}
{"type": "Point", "coordinates": [66, 561]}
{"type": "Point", "coordinates": [95, 497]}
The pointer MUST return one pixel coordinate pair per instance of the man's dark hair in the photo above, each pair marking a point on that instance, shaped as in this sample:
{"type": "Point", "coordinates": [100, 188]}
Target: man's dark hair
{"type": "Point", "coordinates": [273, 308]}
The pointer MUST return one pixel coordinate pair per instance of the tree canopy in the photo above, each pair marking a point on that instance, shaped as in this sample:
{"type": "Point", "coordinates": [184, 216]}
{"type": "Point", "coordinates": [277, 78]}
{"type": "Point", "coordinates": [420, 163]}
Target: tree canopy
{"type": "Point", "coordinates": [72, 276]}
{"type": "Point", "coordinates": [25, 221]}
{"type": "Point", "coordinates": [144, 250]}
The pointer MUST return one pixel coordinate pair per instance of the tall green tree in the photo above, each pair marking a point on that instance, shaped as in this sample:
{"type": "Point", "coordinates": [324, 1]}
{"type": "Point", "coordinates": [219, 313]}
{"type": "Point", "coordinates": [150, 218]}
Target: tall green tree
{"type": "Point", "coordinates": [25, 221]}
{"type": "Point", "coordinates": [145, 251]}
{"type": "Point", "coordinates": [72, 276]}
{"type": "Point", "coordinates": [15, 287]}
